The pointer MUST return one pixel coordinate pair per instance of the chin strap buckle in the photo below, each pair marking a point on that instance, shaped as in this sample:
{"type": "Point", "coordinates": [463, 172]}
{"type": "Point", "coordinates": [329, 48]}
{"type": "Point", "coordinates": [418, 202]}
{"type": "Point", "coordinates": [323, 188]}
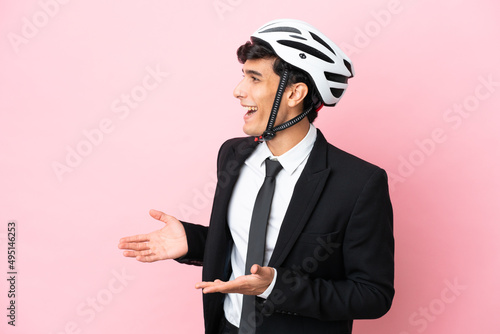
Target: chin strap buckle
{"type": "Point", "coordinates": [267, 135]}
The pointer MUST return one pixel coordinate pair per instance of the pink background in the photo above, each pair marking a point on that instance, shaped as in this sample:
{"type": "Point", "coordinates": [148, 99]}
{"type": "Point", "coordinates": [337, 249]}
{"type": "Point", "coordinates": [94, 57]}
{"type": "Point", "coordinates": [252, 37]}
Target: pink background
{"type": "Point", "coordinates": [420, 106]}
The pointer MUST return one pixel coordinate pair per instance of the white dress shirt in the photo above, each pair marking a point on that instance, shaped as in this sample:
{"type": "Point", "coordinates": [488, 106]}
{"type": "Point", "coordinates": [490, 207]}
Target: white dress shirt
{"type": "Point", "coordinates": [240, 209]}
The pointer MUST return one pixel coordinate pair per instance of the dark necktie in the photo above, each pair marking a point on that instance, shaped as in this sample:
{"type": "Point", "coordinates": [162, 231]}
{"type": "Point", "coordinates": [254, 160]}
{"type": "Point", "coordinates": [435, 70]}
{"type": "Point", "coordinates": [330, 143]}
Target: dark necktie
{"type": "Point", "coordinates": [257, 240]}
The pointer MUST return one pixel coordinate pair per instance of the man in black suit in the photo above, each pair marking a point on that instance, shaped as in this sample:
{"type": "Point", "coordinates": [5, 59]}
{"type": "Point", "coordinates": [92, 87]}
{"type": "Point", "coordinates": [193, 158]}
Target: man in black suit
{"type": "Point", "coordinates": [329, 247]}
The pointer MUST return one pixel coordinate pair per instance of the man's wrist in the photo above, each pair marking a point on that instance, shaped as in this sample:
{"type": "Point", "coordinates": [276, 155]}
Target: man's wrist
{"type": "Point", "coordinates": [270, 288]}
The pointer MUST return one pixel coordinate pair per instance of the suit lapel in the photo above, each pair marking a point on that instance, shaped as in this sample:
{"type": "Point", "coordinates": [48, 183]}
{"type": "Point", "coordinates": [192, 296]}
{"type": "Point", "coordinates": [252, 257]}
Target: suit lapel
{"type": "Point", "coordinates": [305, 196]}
{"type": "Point", "coordinates": [230, 160]}
{"type": "Point", "coordinates": [229, 171]}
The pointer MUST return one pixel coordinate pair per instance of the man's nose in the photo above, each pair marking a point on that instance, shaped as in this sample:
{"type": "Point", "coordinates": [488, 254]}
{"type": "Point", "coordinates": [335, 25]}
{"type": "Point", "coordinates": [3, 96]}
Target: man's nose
{"type": "Point", "coordinates": [239, 90]}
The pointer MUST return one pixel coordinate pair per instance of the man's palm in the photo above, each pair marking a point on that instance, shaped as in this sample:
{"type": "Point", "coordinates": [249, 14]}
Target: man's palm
{"type": "Point", "coordinates": [168, 242]}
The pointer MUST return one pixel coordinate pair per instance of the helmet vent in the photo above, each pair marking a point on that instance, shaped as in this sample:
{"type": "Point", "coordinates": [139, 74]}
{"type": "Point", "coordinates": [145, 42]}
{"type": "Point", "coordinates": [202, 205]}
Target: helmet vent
{"type": "Point", "coordinates": [348, 65]}
{"type": "Point", "coordinates": [337, 92]}
{"type": "Point", "coordinates": [322, 42]}
{"type": "Point", "coordinates": [282, 29]}
{"type": "Point", "coordinates": [307, 49]}
{"type": "Point", "coordinates": [298, 37]}
{"type": "Point", "coordinates": [335, 77]}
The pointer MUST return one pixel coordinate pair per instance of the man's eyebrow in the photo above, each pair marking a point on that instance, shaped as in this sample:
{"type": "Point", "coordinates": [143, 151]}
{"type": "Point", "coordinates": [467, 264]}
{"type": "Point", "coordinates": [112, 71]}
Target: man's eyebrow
{"type": "Point", "coordinates": [252, 72]}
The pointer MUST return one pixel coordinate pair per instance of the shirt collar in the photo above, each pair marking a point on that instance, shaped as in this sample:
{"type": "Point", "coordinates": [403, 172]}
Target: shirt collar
{"type": "Point", "coordinates": [291, 159]}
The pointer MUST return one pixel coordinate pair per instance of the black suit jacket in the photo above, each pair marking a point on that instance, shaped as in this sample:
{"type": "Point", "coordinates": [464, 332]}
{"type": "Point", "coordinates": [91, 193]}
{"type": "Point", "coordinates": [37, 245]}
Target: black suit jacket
{"type": "Point", "coordinates": [335, 250]}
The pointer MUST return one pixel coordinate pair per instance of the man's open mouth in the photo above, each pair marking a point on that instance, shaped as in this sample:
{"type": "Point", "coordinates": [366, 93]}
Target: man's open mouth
{"type": "Point", "coordinates": [250, 110]}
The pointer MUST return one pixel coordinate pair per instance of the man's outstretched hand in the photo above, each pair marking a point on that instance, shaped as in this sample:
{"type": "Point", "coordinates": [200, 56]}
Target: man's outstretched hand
{"type": "Point", "coordinates": [254, 284]}
{"type": "Point", "coordinates": [169, 242]}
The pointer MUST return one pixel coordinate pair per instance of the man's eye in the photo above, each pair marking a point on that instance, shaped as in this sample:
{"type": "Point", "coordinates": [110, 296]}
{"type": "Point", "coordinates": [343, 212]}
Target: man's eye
{"type": "Point", "coordinates": [255, 79]}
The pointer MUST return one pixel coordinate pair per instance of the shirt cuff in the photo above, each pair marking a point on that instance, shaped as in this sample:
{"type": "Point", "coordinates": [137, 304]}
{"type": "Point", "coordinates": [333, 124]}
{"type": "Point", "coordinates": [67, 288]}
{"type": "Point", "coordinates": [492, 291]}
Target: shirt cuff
{"type": "Point", "coordinates": [270, 288]}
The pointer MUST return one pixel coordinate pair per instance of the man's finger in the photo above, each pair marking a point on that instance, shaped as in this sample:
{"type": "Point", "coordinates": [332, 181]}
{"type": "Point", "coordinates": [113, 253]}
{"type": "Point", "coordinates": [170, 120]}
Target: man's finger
{"type": "Point", "coordinates": [148, 256]}
{"type": "Point", "coordinates": [256, 269]}
{"type": "Point", "coordinates": [134, 246]}
{"type": "Point", "coordinates": [145, 252]}
{"type": "Point", "coordinates": [130, 253]}
{"type": "Point", "coordinates": [134, 238]}
{"type": "Point", "coordinates": [204, 285]}
{"type": "Point", "coordinates": [216, 288]}
{"type": "Point", "coordinates": [158, 215]}
{"type": "Point", "coordinates": [262, 272]}
{"type": "Point", "coordinates": [136, 253]}
{"type": "Point", "coordinates": [201, 285]}
{"type": "Point", "coordinates": [221, 286]}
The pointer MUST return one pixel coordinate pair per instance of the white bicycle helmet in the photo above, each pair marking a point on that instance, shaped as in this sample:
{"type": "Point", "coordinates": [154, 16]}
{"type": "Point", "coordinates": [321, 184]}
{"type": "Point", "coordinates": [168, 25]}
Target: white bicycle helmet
{"type": "Point", "coordinates": [303, 46]}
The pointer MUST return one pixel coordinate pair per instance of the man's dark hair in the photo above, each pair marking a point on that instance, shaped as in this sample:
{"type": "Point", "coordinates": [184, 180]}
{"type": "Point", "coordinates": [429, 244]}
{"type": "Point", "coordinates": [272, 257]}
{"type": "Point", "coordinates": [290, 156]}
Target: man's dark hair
{"type": "Point", "coordinates": [259, 50]}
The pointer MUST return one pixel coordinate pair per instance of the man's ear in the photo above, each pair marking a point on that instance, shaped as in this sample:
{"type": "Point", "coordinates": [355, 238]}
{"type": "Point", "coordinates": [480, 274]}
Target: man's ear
{"type": "Point", "coordinates": [297, 94]}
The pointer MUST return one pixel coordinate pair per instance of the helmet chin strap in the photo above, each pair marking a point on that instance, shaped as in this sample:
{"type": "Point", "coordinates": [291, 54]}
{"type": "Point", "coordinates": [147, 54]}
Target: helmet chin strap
{"type": "Point", "coordinates": [270, 131]}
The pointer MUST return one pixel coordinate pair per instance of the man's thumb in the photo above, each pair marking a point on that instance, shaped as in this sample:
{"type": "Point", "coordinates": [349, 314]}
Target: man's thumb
{"type": "Point", "coordinates": [256, 269]}
{"type": "Point", "coordinates": [158, 215]}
